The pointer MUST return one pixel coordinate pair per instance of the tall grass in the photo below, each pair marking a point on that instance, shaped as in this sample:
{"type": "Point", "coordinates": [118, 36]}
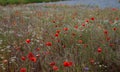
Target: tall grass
{"type": "Point", "coordinates": [88, 38]}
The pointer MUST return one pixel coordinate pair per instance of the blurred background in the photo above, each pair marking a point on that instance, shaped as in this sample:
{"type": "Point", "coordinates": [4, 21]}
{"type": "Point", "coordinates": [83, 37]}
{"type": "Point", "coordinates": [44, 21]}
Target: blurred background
{"type": "Point", "coordinates": [99, 3]}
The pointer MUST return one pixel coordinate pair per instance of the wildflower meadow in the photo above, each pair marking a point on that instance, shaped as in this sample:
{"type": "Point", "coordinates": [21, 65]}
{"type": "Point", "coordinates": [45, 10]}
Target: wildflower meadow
{"type": "Point", "coordinates": [59, 38]}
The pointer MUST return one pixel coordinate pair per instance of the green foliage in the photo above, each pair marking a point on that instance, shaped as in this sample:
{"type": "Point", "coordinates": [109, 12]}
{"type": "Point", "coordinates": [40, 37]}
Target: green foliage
{"type": "Point", "coordinates": [6, 2]}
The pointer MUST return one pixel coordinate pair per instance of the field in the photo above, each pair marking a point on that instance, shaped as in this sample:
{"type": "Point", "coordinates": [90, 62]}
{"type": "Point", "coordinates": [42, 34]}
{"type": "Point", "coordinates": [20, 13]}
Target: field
{"type": "Point", "coordinates": [59, 38]}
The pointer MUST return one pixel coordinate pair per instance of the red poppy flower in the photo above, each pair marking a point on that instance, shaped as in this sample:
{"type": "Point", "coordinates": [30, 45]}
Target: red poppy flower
{"type": "Point", "coordinates": [55, 68]}
{"type": "Point", "coordinates": [116, 18]}
{"type": "Point", "coordinates": [99, 50]}
{"type": "Point", "coordinates": [70, 63]}
{"type": "Point", "coordinates": [23, 58]}
{"type": "Point", "coordinates": [28, 40]}
{"type": "Point", "coordinates": [52, 63]}
{"type": "Point", "coordinates": [67, 64]}
{"type": "Point", "coordinates": [48, 44]}
{"type": "Point", "coordinates": [76, 26]}
{"type": "Point", "coordinates": [114, 9]}
{"type": "Point", "coordinates": [106, 32]}
{"type": "Point", "coordinates": [80, 41]}
{"type": "Point", "coordinates": [108, 38]}
{"type": "Point", "coordinates": [87, 21]}
{"type": "Point", "coordinates": [92, 18]}
{"type": "Point", "coordinates": [31, 57]}
{"type": "Point", "coordinates": [23, 70]}
{"type": "Point", "coordinates": [58, 31]}
{"type": "Point", "coordinates": [92, 61]}
{"type": "Point", "coordinates": [57, 34]}
{"type": "Point", "coordinates": [114, 28]}
{"type": "Point", "coordinates": [65, 29]}
{"type": "Point", "coordinates": [83, 25]}
{"type": "Point", "coordinates": [37, 49]}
